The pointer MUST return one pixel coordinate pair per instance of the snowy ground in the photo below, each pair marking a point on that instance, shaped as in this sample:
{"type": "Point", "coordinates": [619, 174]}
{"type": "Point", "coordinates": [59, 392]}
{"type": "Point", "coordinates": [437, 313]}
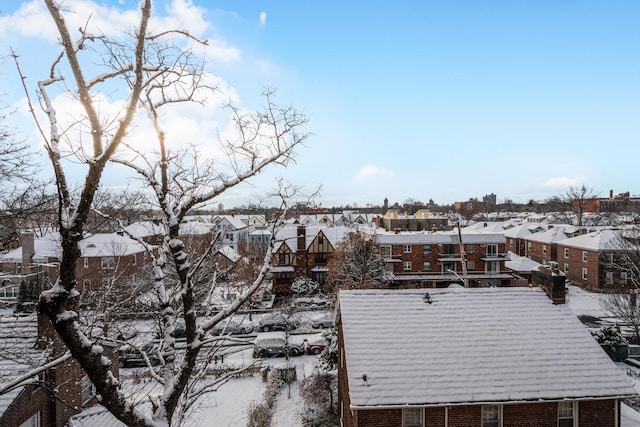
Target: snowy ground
{"type": "Point", "coordinates": [588, 303]}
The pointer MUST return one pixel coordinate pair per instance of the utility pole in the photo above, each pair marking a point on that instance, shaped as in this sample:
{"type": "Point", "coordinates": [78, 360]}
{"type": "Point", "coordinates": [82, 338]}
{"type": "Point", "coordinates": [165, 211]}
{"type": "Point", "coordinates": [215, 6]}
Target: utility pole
{"type": "Point", "coordinates": [463, 257]}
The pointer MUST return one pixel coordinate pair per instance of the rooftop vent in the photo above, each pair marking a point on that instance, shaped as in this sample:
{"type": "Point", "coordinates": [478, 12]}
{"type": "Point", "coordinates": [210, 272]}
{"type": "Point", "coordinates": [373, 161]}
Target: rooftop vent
{"type": "Point", "coordinates": [427, 298]}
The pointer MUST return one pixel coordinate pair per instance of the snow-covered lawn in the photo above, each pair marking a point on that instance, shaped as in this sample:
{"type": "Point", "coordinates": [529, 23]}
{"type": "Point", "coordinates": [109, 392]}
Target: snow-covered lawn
{"type": "Point", "coordinates": [582, 302]}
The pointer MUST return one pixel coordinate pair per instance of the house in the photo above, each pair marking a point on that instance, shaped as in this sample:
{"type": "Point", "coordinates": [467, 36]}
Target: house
{"type": "Point", "coordinates": [226, 257]}
{"type": "Point", "coordinates": [432, 259]}
{"type": "Point", "coordinates": [516, 236]}
{"type": "Point", "coordinates": [471, 357]}
{"type": "Point", "coordinates": [588, 259]}
{"type": "Point", "coordinates": [103, 258]}
{"type": "Point", "coordinates": [233, 229]}
{"type": "Point", "coordinates": [303, 251]}
{"type": "Point", "coordinates": [521, 267]}
{"type": "Point", "coordinates": [52, 396]}
{"type": "Point", "coordinates": [542, 246]}
{"type": "Point", "coordinates": [421, 220]}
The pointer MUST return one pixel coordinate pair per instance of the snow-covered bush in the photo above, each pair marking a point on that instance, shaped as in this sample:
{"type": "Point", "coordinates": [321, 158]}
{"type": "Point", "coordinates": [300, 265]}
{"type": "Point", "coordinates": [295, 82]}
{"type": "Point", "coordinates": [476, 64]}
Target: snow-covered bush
{"type": "Point", "coordinates": [609, 335]}
{"type": "Point", "coordinates": [305, 286]}
{"type": "Point", "coordinates": [329, 357]}
{"type": "Point", "coordinates": [319, 393]}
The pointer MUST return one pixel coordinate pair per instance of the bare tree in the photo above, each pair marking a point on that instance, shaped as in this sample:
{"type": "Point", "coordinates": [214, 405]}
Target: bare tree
{"type": "Point", "coordinates": [157, 73]}
{"type": "Point", "coordinates": [620, 263]}
{"type": "Point", "coordinates": [573, 205]}
{"type": "Point", "coordinates": [357, 263]}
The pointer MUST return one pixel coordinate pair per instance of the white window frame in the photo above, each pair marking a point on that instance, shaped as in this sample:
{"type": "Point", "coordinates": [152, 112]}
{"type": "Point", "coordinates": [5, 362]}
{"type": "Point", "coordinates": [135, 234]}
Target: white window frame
{"type": "Point", "coordinates": [585, 272]}
{"type": "Point", "coordinates": [566, 267]}
{"type": "Point", "coordinates": [406, 265]}
{"type": "Point", "coordinates": [492, 250]}
{"type": "Point", "coordinates": [88, 389]}
{"type": "Point", "coordinates": [563, 412]}
{"type": "Point", "coordinates": [566, 252]}
{"type": "Point", "coordinates": [528, 246]}
{"type": "Point", "coordinates": [409, 423]}
{"type": "Point", "coordinates": [108, 263]}
{"type": "Point", "coordinates": [385, 251]}
{"type": "Point", "coordinates": [608, 277]}
{"type": "Point", "coordinates": [471, 265]}
{"type": "Point", "coordinates": [426, 248]}
{"type": "Point", "coordinates": [33, 421]}
{"type": "Point", "coordinates": [585, 256]}
{"type": "Point", "coordinates": [544, 249]}
{"type": "Point", "coordinates": [426, 265]}
{"type": "Point", "coordinates": [492, 267]}
{"type": "Point", "coordinates": [491, 422]}
{"type": "Point", "coordinates": [85, 262]}
{"type": "Point", "coordinates": [134, 259]}
{"type": "Point", "coordinates": [406, 249]}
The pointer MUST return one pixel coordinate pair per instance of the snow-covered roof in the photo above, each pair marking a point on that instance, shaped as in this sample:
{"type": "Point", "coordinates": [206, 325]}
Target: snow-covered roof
{"type": "Point", "coordinates": [470, 346]}
{"type": "Point", "coordinates": [96, 415]}
{"type": "Point", "coordinates": [551, 235]}
{"type": "Point", "coordinates": [600, 240]}
{"type": "Point", "coordinates": [230, 253]}
{"type": "Point", "coordinates": [439, 237]}
{"type": "Point", "coordinates": [145, 229]}
{"type": "Point", "coordinates": [18, 354]}
{"type": "Point", "coordinates": [45, 247]}
{"type": "Point", "coordinates": [520, 263]}
{"type": "Point", "coordinates": [109, 244]}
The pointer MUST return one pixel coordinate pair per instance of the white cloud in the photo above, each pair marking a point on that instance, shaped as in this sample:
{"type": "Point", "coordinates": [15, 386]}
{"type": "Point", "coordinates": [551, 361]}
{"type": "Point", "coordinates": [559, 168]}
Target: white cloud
{"type": "Point", "coordinates": [563, 182]}
{"type": "Point", "coordinates": [369, 172]}
{"type": "Point", "coordinates": [263, 19]}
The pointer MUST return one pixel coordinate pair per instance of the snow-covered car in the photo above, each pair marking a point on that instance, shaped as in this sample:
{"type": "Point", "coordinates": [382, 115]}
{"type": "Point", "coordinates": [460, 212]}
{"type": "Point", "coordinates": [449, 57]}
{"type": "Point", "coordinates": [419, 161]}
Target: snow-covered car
{"type": "Point", "coordinates": [310, 302]}
{"type": "Point", "coordinates": [233, 327]}
{"type": "Point", "coordinates": [270, 344]}
{"type": "Point", "coordinates": [276, 322]}
{"type": "Point", "coordinates": [315, 344]}
{"type": "Point", "coordinates": [130, 356]}
{"type": "Point", "coordinates": [322, 321]}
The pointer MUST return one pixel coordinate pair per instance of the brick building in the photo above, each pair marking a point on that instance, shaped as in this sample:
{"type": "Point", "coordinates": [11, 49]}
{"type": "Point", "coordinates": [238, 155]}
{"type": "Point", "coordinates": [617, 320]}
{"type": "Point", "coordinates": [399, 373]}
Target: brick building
{"type": "Point", "coordinates": [471, 357]}
{"type": "Point", "coordinates": [432, 259]}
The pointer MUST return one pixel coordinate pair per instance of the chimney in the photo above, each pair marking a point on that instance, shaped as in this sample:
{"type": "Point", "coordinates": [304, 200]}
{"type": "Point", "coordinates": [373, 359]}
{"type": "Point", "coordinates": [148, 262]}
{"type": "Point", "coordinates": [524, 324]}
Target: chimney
{"type": "Point", "coordinates": [611, 194]}
{"type": "Point", "coordinates": [302, 234]}
{"type": "Point", "coordinates": [552, 280]}
{"type": "Point", "coordinates": [28, 250]}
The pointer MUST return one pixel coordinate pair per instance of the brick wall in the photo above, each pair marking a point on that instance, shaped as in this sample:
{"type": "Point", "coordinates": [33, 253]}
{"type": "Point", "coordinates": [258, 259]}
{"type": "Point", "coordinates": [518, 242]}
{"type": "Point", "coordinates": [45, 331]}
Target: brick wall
{"type": "Point", "coordinates": [596, 413]}
{"type": "Point", "coordinates": [31, 400]}
{"type": "Point", "coordinates": [576, 264]}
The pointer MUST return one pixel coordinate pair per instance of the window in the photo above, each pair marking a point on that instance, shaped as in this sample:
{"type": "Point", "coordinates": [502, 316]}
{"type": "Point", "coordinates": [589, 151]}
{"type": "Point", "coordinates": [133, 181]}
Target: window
{"type": "Point", "coordinates": [566, 268]}
{"type": "Point", "coordinates": [492, 250]}
{"type": "Point", "coordinates": [544, 249]}
{"type": "Point", "coordinates": [85, 262]}
{"type": "Point", "coordinates": [88, 389]}
{"type": "Point", "coordinates": [426, 249]}
{"type": "Point", "coordinates": [134, 259]}
{"type": "Point", "coordinates": [510, 243]}
{"type": "Point", "coordinates": [528, 246]}
{"type": "Point", "coordinates": [566, 253]}
{"type": "Point", "coordinates": [609, 258]}
{"type": "Point", "coordinates": [412, 417]}
{"type": "Point", "coordinates": [407, 265]}
{"type": "Point", "coordinates": [33, 421]}
{"type": "Point", "coordinates": [86, 284]}
{"type": "Point", "coordinates": [426, 265]}
{"type": "Point", "coordinates": [490, 416]}
{"type": "Point", "coordinates": [584, 274]}
{"type": "Point", "coordinates": [321, 258]}
{"type": "Point", "coordinates": [385, 251]}
{"type": "Point", "coordinates": [407, 249]}
{"type": "Point", "coordinates": [145, 255]}
{"type": "Point", "coordinates": [471, 248]}
{"type": "Point", "coordinates": [320, 240]}
{"type": "Point", "coordinates": [492, 267]}
{"type": "Point", "coordinates": [609, 277]}
{"type": "Point", "coordinates": [584, 256]}
{"type": "Point", "coordinates": [565, 414]}
{"type": "Point", "coordinates": [283, 259]}
{"type": "Point", "coordinates": [108, 263]}
{"type": "Point", "coordinates": [471, 265]}
{"type": "Point", "coordinates": [623, 277]}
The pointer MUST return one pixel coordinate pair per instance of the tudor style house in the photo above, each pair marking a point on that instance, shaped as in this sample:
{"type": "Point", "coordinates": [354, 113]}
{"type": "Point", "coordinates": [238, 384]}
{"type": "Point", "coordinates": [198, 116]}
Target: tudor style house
{"type": "Point", "coordinates": [471, 357]}
{"type": "Point", "coordinates": [303, 251]}
{"type": "Point", "coordinates": [433, 259]}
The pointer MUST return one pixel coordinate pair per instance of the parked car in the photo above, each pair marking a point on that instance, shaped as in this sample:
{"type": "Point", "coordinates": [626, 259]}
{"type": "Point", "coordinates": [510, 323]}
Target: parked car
{"type": "Point", "coordinates": [277, 322]}
{"type": "Point", "coordinates": [310, 302]}
{"type": "Point", "coordinates": [315, 344]}
{"type": "Point", "coordinates": [232, 327]}
{"type": "Point", "coordinates": [323, 321]}
{"type": "Point", "coordinates": [270, 344]}
{"type": "Point", "coordinates": [130, 356]}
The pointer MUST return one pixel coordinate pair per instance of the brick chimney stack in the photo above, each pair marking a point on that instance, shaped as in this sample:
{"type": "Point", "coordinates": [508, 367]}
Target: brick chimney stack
{"type": "Point", "coordinates": [27, 241]}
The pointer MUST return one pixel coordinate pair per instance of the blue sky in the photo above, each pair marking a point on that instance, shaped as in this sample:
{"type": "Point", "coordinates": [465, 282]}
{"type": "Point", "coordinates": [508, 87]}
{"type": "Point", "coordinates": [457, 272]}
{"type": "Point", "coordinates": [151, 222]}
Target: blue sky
{"type": "Point", "coordinates": [428, 99]}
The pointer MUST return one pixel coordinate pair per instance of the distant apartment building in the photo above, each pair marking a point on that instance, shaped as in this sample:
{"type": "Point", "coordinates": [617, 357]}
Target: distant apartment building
{"type": "Point", "coordinates": [422, 220]}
